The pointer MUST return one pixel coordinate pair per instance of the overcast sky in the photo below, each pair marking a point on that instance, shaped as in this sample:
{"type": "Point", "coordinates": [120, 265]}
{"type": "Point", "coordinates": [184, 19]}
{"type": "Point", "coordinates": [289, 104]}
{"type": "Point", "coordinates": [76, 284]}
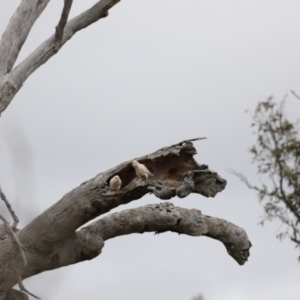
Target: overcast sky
{"type": "Point", "coordinates": [151, 74]}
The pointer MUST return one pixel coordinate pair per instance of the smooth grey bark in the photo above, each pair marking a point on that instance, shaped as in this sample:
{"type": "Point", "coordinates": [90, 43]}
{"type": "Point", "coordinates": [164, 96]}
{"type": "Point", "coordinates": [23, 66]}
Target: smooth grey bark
{"type": "Point", "coordinates": [52, 241]}
{"type": "Point", "coordinates": [12, 80]}
{"type": "Point", "coordinates": [17, 31]}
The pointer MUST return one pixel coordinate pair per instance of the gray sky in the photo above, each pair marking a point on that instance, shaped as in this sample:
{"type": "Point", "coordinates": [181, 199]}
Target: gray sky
{"type": "Point", "coordinates": [152, 74]}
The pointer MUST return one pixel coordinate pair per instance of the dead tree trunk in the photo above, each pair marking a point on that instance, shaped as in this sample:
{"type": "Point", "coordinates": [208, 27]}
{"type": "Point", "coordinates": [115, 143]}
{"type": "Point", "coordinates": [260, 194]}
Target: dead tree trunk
{"type": "Point", "coordinates": [53, 239]}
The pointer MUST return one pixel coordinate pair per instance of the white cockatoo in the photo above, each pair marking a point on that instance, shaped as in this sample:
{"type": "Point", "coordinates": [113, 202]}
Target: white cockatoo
{"type": "Point", "coordinates": [141, 170]}
{"type": "Point", "coordinates": [115, 183]}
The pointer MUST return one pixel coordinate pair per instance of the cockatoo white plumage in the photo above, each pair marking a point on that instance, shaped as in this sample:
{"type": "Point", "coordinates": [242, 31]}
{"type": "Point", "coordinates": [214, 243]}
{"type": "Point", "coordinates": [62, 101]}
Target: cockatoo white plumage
{"type": "Point", "coordinates": [141, 170]}
{"type": "Point", "coordinates": [115, 183]}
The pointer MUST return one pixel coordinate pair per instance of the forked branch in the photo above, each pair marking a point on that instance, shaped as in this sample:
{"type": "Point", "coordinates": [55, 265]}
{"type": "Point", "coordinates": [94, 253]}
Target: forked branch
{"type": "Point", "coordinates": [17, 31]}
{"type": "Point", "coordinates": [11, 83]}
{"type": "Point", "coordinates": [59, 30]}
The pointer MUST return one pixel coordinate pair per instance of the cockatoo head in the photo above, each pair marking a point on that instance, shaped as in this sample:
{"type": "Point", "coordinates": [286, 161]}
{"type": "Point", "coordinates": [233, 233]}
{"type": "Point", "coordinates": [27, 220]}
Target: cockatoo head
{"type": "Point", "coordinates": [116, 178]}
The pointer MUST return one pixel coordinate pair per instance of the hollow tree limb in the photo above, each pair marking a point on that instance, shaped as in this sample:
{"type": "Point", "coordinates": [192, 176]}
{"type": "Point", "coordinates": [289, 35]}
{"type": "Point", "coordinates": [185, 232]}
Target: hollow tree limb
{"type": "Point", "coordinates": [174, 169]}
{"type": "Point", "coordinates": [51, 241]}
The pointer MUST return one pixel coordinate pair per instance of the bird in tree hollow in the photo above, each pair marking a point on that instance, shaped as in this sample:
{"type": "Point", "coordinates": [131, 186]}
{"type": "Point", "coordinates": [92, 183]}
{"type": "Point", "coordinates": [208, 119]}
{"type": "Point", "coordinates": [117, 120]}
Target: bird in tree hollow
{"type": "Point", "coordinates": [115, 183]}
{"type": "Point", "coordinates": [141, 170]}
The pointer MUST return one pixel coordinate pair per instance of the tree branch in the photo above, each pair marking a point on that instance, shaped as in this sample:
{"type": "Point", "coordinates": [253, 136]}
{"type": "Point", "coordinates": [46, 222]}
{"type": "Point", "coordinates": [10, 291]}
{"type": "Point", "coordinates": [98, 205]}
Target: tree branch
{"type": "Point", "coordinates": [176, 173]}
{"type": "Point", "coordinates": [167, 217]}
{"type": "Point", "coordinates": [17, 31]}
{"type": "Point", "coordinates": [12, 82]}
{"type": "Point", "coordinates": [17, 250]}
{"type": "Point", "coordinates": [12, 213]}
{"type": "Point", "coordinates": [59, 30]}
{"type": "Point", "coordinates": [295, 94]}
{"type": "Point", "coordinates": [23, 289]}
{"type": "Point", "coordinates": [244, 179]}
{"type": "Point", "coordinates": [87, 243]}
{"type": "Point", "coordinates": [234, 238]}
{"type": "Point", "coordinates": [51, 240]}
{"type": "Point", "coordinates": [6, 229]}
{"type": "Point", "coordinates": [17, 247]}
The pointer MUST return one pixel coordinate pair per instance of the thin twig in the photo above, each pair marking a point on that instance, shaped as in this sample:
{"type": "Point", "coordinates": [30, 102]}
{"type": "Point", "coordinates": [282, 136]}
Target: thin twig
{"type": "Point", "coordinates": [243, 179]}
{"type": "Point", "coordinates": [22, 287]}
{"type": "Point", "coordinates": [59, 29]}
{"type": "Point", "coordinates": [15, 241]}
{"type": "Point", "coordinates": [294, 93]}
{"type": "Point", "coordinates": [12, 213]}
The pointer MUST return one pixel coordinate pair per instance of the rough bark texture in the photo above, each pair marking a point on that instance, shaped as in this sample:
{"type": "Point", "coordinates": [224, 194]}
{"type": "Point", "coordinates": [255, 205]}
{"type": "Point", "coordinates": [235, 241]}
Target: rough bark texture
{"type": "Point", "coordinates": [166, 217]}
{"type": "Point", "coordinates": [51, 241]}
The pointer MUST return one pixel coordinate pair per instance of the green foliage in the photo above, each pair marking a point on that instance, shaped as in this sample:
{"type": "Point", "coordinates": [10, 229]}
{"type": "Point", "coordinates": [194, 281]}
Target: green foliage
{"type": "Point", "coordinates": [276, 153]}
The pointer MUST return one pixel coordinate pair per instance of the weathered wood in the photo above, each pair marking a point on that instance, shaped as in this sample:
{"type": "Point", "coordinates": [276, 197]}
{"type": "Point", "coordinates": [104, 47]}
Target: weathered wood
{"type": "Point", "coordinates": [166, 217]}
{"type": "Point", "coordinates": [171, 167]}
{"type": "Point", "coordinates": [87, 243]}
{"type": "Point", "coordinates": [51, 241]}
